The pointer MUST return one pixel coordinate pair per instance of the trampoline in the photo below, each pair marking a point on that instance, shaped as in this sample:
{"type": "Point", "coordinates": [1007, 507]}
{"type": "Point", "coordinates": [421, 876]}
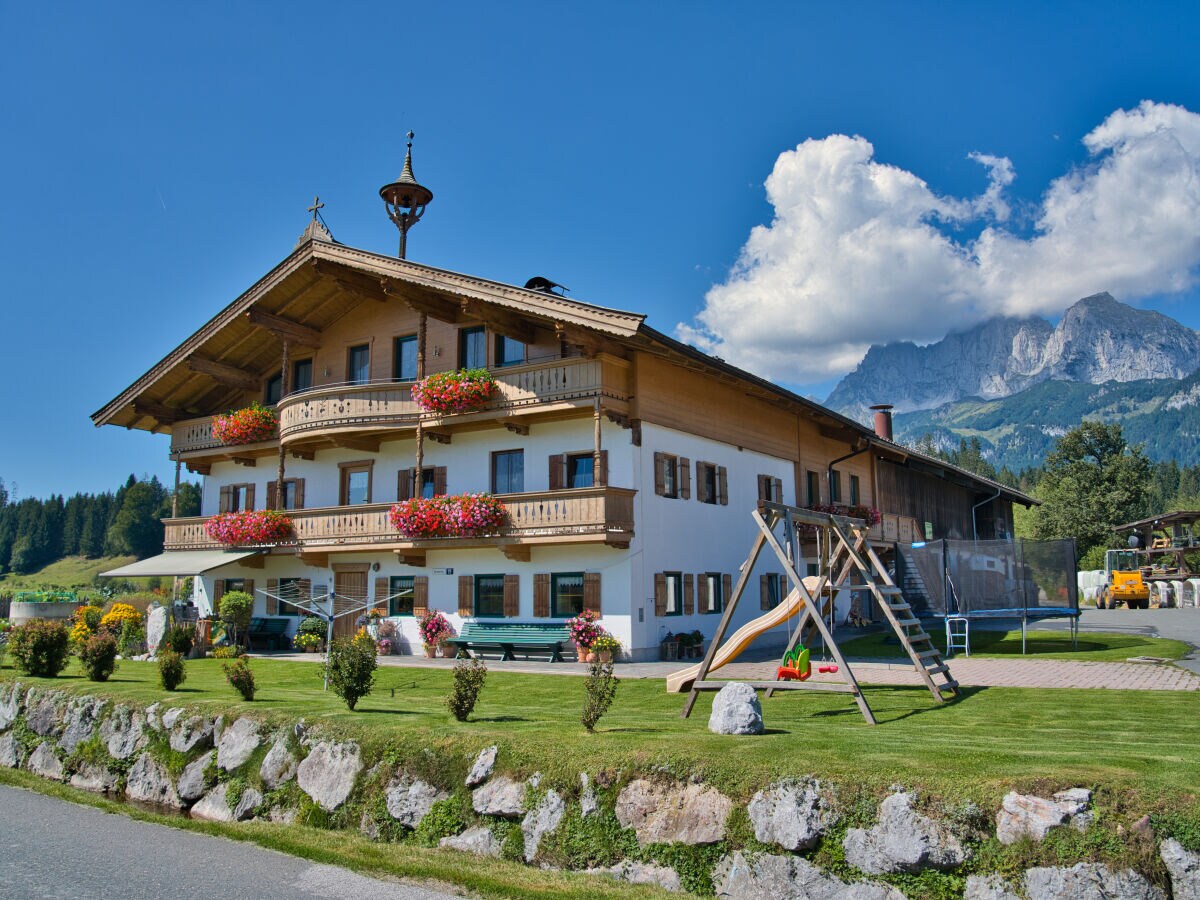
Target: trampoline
{"type": "Point", "coordinates": [965, 581]}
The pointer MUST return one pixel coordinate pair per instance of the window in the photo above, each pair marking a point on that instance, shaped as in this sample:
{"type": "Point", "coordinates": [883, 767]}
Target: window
{"type": "Point", "coordinates": [771, 590]}
{"type": "Point", "coordinates": [713, 600]}
{"type": "Point", "coordinates": [489, 596]}
{"type": "Point", "coordinates": [234, 584]}
{"type": "Point", "coordinates": [510, 352]}
{"type": "Point", "coordinates": [273, 390]}
{"type": "Point", "coordinates": [400, 595]}
{"type": "Point", "coordinates": [566, 594]}
{"type": "Point", "coordinates": [835, 486]}
{"type": "Point", "coordinates": [508, 471]}
{"type": "Point", "coordinates": [670, 477]}
{"type": "Point", "coordinates": [290, 587]}
{"type": "Point", "coordinates": [404, 359]}
{"type": "Point", "coordinates": [711, 481]}
{"type": "Point", "coordinates": [854, 490]}
{"type": "Point", "coordinates": [236, 498]}
{"type": "Point", "coordinates": [358, 364]}
{"type": "Point", "coordinates": [356, 483]}
{"type": "Point", "coordinates": [812, 570]}
{"type": "Point", "coordinates": [812, 489]}
{"type": "Point", "coordinates": [293, 494]}
{"type": "Point", "coordinates": [770, 489]}
{"type": "Point", "coordinates": [302, 375]}
{"type": "Point", "coordinates": [472, 349]}
{"type": "Point", "coordinates": [289, 494]}
{"type": "Point", "coordinates": [579, 470]}
{"type": "Point", "coordinates": [674, 581]}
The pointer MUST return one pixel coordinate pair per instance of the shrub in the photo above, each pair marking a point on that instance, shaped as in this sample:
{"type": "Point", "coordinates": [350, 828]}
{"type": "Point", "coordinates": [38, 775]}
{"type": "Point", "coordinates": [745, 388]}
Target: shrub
{"type": "Point", "coordinates": [132, 640]}
{"type": "Point", "coordinates": [227, 652]}
{"type": "Point", "coordinates": [79, 635]}
{"type": "Point", "coordinates": [239, 675]}
{"type": "Point", "coordinates": [40, 647]}
{"type": "Point", "coordinates": [303, 641]}
{"type": "Point", "coordinates": [170, 669]}
{"type": "Point", "coordinates": [351, 666]}
{"type": "Point", "coordinates": [180, 638]}
{"type": "Point", "coordinates": [469, 677]}
{"type": "Point", "coordinates": [98, 656]}
{"type": "Point", "coordinates": [236, 609]}
{"type": "Point", "coordinates": [313, 625]}
{"type": "Point", "coordinates": [116, 617]}
{"type": "Point", "coordinates": [90, 616]}
{"type": "Point", "coordinates": [600, 689]}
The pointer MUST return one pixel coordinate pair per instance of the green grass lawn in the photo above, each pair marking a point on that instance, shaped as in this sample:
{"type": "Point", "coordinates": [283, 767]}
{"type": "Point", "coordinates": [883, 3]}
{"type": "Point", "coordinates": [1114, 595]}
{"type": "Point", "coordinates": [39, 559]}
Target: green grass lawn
{"type": "Point", "coordinates": [68, 572]}
{"type": "Point", "coordinates": [1093, 646]}
{"type": "Point", "coordinates": [979, 746]}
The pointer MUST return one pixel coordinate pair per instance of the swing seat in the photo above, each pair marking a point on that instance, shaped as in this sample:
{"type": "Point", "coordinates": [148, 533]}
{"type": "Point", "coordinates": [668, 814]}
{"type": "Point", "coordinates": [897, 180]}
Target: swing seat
{"type": "Point", "coordinates": [796, 666]}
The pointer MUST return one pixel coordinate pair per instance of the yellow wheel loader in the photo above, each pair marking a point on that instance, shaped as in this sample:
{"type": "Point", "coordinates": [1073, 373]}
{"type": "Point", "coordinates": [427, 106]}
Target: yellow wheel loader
{"type": "Point", "coordinates": [1123, 582]}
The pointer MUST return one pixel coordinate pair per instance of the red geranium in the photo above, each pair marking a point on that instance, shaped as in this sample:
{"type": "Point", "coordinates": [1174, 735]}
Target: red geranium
{"type": "Point", "coordinates": [460, 515]}
{"type": "Point", "coordinates": [252, 527]}
{"type": "Point", "coordinates": [454, 392]}
{"type": "Point", "coordinates": [245, 426]}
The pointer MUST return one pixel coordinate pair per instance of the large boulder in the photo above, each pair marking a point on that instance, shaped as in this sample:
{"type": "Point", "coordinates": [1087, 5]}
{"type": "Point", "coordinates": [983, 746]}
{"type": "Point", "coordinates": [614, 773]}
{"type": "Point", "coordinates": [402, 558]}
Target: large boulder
{"type": "Point", "coordinates": [82, 715]}
{"type": "Point", "coordinates": [1088, 881]}
{"type": "Point", "coordinates": [642, 873]}
{"type": "Point", "coordinates": [664, 814]}
{"type": "Point", "coordinates": [1184, 866]}
{"type": "Point", "coordinates": [192, 733]}
{"type": "Point", "coordinates": [482, 768]}
{"type": "Point", "coordinates": [1029, 816]}
{"type": "Point", "coordinates": [278, 766]}
{"type": "Point", "coordinates": [410, 799]}
{"type": "Point", "coordinates": [94, 778]}
{"type": "Point", "coordinates": [156, 627]}
{"type": "Point", "coordinates": [123, 733]}
{"type": "Point", "coordinates": [789, 878]}
{"type": "Point", "coordinates": [213, 806]}
{"type": "Point", "coordinates": [736, 710]}
{"type": "Point", "coordinates": [989, 887]}
{"type": "Point", "coordinates": [902, 840]}
{"type": "Point", "coordinates": [10, 704]}
{"type": "Point", "coordinates": [45, 762]}
{"type": "Point", "coordinates": [541, 820]}
{"type": "Point", "coordinates": [502, 796]}
{"type": "Point", "coordinates": [478, 840]}
{"type": "Point", "coordinates": [45, 716]}
{"type": "Point", "coordinates": [12, 754]}
{"type": "Point", "coordinates": [170, 717]}
{"type": "Point", "coordinates": [588, 804]}
{"type": "Point", "coordinates": [238, 742]}
{"type": "Point", "coordinates": [191, 782]}
{"type": "Point", "coordinates": [328, 773]}
{"type": "Point", "coordinates": [150, 782]}
{"type": "Point", "coordinates": [792, 814]}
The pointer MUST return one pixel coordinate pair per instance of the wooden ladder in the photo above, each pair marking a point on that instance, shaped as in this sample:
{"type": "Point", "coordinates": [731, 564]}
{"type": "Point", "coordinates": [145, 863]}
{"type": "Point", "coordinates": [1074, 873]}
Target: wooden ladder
{"type": "Point", "coordinates": [926, 658]}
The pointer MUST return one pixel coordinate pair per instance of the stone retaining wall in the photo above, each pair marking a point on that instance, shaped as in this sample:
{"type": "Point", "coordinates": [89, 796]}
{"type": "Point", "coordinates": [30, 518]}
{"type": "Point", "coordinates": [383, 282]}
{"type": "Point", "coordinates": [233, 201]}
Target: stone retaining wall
{"type": "Point", "coordinates": [681, 836]}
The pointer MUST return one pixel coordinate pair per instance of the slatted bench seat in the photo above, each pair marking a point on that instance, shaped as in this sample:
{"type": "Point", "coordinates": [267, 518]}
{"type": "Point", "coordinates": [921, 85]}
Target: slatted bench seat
{"type": "Point", "coordinates": [512, 638]}
{"type": "Point", "coordinates": [271, 632]}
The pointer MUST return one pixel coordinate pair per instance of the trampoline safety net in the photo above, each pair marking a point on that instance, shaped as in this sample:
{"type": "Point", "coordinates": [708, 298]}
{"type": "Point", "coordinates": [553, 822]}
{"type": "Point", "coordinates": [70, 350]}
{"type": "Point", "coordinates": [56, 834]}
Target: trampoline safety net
{"type": "Point", "coordinates": [983, 578]}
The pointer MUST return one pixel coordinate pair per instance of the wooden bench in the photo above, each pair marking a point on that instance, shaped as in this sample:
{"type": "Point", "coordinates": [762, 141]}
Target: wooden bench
{"type": "Point", "coordinates": [512, 638]}
{"type": "Point", "coordinates": [272, 633]}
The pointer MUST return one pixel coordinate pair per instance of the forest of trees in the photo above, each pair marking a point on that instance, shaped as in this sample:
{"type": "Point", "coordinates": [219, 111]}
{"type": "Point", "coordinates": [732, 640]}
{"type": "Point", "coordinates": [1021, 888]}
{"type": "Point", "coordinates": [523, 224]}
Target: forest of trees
{"type": "Point", "coordinates": [35, 533]}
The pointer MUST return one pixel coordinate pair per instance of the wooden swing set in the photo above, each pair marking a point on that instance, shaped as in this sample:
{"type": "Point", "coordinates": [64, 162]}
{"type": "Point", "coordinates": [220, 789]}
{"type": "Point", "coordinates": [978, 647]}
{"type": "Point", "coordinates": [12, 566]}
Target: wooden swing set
{"type": "Point", "coordinates": [846, 562]}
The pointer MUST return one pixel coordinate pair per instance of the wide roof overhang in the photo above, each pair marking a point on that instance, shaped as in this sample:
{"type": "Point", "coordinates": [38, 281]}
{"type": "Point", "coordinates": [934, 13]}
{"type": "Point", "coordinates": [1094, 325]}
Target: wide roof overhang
{"type": "Point", "coordinates": [180, 562]}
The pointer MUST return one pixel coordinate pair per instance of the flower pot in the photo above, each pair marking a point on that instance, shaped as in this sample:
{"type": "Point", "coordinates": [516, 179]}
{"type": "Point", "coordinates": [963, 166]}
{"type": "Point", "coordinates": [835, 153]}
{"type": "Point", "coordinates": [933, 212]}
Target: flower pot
{"type": "Point", "coordinates": [431, 651]}
{"type": "Point", "coordinates": [591, 656]}
{"type": "Point", "coordinates": [447, 651]}
{"type": "Point", "coordinates": [310, 649]}
{"type": "Point", "coordinates": [604, 656]}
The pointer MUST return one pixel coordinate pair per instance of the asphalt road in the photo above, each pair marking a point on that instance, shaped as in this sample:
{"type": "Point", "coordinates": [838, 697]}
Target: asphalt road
{"type": "Point", "coordinates": [1180, 624]}
{"type": "Point", "coordinates": [50, 848]}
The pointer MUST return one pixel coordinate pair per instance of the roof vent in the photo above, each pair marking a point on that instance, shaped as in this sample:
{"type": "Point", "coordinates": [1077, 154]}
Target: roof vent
{"type": "Point", "coordinates": [883, 420]}
{"type": "Point", "coordinates": [546, 286]}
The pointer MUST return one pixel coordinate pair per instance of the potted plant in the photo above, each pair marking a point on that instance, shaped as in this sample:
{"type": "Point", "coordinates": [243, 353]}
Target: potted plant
{"type": "Point", "coordinates": [253, 527]}
{"type": "Point", "coordinates": [457, 515]}
{"type": "Point", "coordinates": [315, 628]}
{"type": "Point", "coordinates": [245, 426]}
{"type": "Point", "coordinates": [434, 629]}
{"type": "Point", "coordinates": [669, 647]}
{"type": "Point", "coordinates": [384, 646]}
{"type": "Point", "coordinates": [454, 392]}
{"type": "Point", "coordinates": [696, 645]}
{"type": "Point", "coordinates": [606, 647]}
{"type": "Point", "coordinates": [584, 631]}
{"type": "Point", "coordinates": [306, 642]}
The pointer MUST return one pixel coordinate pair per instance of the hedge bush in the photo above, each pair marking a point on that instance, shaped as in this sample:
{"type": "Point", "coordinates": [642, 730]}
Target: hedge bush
{"type": "Point", "coordinates": [98, 656]}
{"type": "Point", "coordinates": [40, 647]}
{"type": "Point", "coordinates": [170, 669]}
{"type": "Point", "coordinates": [352, 667]}
{"type": "Point", "coordinates": [238, 674]}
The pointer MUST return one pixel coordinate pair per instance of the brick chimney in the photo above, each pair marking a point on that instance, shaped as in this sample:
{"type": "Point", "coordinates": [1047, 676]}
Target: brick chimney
{"type": "Point", "coordinates": [883, 420]}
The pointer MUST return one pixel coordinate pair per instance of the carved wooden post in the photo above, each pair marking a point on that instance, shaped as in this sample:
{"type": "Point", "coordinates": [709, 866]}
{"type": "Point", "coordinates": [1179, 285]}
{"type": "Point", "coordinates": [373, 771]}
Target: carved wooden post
{"type": "Point", "coordinates": [597, 473]}
{"type": "Point", "coordinates": [175, 496]}
{"type": "Point", "coordinates": [284, 387]}
{"type": "Point", "coordinates": [417, 489]}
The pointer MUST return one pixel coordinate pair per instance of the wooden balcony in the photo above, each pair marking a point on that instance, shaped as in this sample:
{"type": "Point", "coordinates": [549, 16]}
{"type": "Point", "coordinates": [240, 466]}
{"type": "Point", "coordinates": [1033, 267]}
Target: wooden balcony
{"type": "Point", "coordinates": [576, 516]}
{"type": "Point", "coordinates": [556, 385]}
{"type": "Point", "coordinates": [894, 528]}
{"type": "Point", "coordinates": [192, 440]}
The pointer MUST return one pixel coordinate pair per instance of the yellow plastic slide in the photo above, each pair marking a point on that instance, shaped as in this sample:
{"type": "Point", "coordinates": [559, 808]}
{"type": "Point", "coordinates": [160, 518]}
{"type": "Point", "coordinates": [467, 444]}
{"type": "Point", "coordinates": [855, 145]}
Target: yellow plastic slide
{"type": "Point", "coordinates": [680, 681]}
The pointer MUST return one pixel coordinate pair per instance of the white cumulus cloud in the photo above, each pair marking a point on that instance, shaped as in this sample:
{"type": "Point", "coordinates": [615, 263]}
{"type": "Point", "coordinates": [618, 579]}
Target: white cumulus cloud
{"type": "Point", "coordinates": [861, 252]}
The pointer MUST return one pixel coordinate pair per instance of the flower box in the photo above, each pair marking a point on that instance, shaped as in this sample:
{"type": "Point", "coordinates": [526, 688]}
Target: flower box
{"type": "Point", "coordinates": [245, 426]}
{"type": "Point", "coordinates": [458, 515]}
{"type": "Point", "coordinates": [454, 392]}
{"type": "Point", "coordinates": [252, 527]}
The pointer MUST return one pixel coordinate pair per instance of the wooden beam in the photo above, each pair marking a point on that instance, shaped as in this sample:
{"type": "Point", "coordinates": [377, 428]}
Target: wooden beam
{"type": "Point", "coordinates": [514, 426]}
{"type": "Point", "coordinates": [285, 328]}
{"type": "Point", "coordinates": [365, 444]}
{"type": "Point", "coordinates": [198, 468]}
{"type": "Point", "coordinates": [304, 454]}
{"type": "Point", "coordinates": [225, 374]}
{"type": "Point", "coordinates": [316, 560]}
{"type": "Point", "coordinates": [438, 437]}
{"type": "Point", "coordinates": [248, 461]}
{"type": "Point", "coordinates": [500, 321]}
{"type": "Point", "coordinates": [411, 558]}
{"type": "Point", "coordinates": [589, 342]}
{"type": "Point", "coordinates": [517, 552]}
{"type": "Point", "coordinates": [442, 309]}
{"type": "Point", "coordinates": [258, 561]}
{"type": "Point", "coordinates": [167, 415]}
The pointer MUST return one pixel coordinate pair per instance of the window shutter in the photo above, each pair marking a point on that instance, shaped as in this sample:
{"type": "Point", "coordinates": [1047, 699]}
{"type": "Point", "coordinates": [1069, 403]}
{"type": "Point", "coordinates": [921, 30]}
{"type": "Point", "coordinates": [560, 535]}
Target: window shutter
{"type": "Point", "coordinates": [248, 587]}
{"type": "Point", "coordinates": [249, 496]}
{"type": "Point", "coordinates": [271, 494]}
{"type": "Point", "coordinates": [466, 587]}
{"type": "Point", "coordinates": [764, 592]}
{"type": "Point", "coordinates": [381, 595]}
{"type": "Point", "coordinates": [558, 463]}
{"type": "Point", "coordinates": [689, 594]}
{"type": "Point", "coordinates": [421, 595]}
{"type": "Point", "coordinates": [726, 590]}
{"type": "Point", "coordinates": [777, 490]}
{"type": "Point", "coordinates": [218, 593]}
{"type": "Point", "coordinates": [660, 474]}
{"type": "Point", "coordinates": [512, 596]}
{"type": "Point", "coordinates": [272, 596]}
{"type": "Point", "coordinates": [683, 474]}
{"type": "Point", "coordinates": [591, 591]}
{"type": "Point", "coordinates": [304, 588]}
{"type": "Point", "coordinates": [439, 481]}
{"type": "Point", "coordinates": [541, 595]}
{"type": "Point", "coordinates": [600, 478]}
{"type": "Point", "coordinates": [660, 594]}
{"type": "Point", "coordinates": [299, 494]}
{"type": "Point", "coordinates": [225, 499]}
{"type": "Point", "coordinates": [702, 593]}
{"type": "Point", "coordinates": [722, 486]}
{"type": "Point", "coordinates": [762, 491]}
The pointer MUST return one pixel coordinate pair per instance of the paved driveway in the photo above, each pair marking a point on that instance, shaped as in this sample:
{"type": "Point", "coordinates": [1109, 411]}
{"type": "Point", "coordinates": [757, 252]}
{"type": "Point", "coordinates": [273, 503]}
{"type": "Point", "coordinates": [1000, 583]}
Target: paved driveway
{"type": "Point", "coordinates": [1180, 624]}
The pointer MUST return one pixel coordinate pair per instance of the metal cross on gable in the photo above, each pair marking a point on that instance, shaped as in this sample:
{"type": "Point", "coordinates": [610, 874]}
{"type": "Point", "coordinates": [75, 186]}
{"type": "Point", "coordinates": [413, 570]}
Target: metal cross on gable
{"type": "Point", "coordinates": [316, 207]}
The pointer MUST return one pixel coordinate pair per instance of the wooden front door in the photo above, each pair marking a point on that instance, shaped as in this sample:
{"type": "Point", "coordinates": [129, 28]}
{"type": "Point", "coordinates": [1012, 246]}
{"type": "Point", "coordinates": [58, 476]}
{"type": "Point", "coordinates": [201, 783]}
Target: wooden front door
{"type": "Point", "coordinates": [349, 586]}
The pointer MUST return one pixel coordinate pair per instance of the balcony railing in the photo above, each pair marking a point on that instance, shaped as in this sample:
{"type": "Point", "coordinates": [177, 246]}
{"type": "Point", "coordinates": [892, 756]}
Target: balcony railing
{"type": "Point", "coordinates": [579, 515]}
{"type": "Point", "coordinates": [893, 528]}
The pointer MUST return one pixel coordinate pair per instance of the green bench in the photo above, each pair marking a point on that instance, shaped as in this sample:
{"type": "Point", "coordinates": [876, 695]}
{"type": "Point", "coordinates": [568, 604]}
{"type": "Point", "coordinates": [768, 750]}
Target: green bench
{"type": "Point", "coordinates": [513, 638]}
{"type": "Point", "coordinates": [272, 633]}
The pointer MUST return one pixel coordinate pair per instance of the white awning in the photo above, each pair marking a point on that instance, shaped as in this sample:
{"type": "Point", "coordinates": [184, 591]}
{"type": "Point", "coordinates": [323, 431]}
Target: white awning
{"type": "Point", "coordinates": [180, 562]}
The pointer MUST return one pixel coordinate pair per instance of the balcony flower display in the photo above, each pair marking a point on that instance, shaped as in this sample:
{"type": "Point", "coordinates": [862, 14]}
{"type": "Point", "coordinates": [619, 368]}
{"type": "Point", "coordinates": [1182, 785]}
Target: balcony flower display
{"type": "Point", "coordinates": [252, 527]}
{"type": "Point", "coordinates": [868, 514]}
{"type": "Point", "coordinates": [245, 426]}
{"type": "Point", "coordinates": [454, 392]}
{"type": "Point", "coordinates": [458, 515]}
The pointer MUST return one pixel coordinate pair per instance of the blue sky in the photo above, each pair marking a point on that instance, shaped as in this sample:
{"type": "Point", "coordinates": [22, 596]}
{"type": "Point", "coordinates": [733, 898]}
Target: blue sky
{"type": "Point", "coordinates": [159, 159]}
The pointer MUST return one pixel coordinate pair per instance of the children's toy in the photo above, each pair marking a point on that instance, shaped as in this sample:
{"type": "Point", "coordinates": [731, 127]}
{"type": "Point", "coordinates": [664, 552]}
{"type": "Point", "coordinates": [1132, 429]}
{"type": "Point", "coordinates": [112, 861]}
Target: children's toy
{"type": "Point", "coordinates": [827, 670]}
{"type": "Point", "coordinates": [796, 666]}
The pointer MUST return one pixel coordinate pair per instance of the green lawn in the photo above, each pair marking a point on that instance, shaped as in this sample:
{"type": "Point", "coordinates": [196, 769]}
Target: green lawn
{"type": "Point", "coordinates": [978, 746]}
{"type": "Point", "coordinates": [67, 573]}
{"type": "Point", "coordinates": [1102, 646]}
